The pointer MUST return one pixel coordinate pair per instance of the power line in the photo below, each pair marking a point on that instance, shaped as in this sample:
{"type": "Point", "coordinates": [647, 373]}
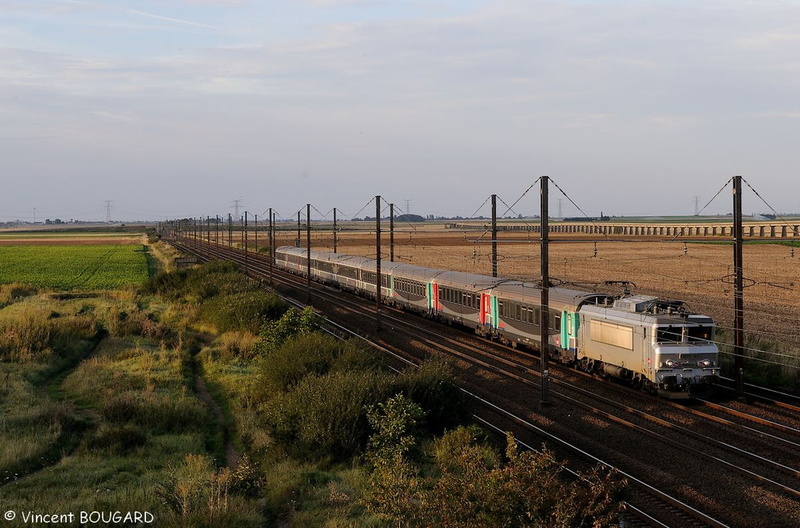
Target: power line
{"type": "Point", "coordinates": [236, 205]}
{"type": "Point", "coordinates": [108, 210]}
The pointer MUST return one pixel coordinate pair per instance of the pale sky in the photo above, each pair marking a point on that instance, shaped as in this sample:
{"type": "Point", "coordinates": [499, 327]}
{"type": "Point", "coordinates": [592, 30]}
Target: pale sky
{"type": "Point", "coordinates": [175, 108]}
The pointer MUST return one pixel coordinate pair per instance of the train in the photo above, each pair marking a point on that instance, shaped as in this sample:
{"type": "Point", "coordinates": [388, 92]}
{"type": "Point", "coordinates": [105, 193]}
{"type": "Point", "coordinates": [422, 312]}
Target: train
{"type": "Point", "coordinates": [657, 345]}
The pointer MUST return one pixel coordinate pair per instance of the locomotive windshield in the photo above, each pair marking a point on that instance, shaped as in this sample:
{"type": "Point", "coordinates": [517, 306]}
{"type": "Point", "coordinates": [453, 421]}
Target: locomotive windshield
{"type": "Point", "coordinates": [700, 333]}
{"type": "Point", "coordinates": [669, 334]}
{"type": "Point", "coordinates": [693, 334]}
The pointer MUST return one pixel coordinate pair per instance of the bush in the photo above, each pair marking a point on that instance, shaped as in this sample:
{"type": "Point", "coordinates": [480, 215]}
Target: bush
{"type": "Point", "coordinates": [433, 387]}
{"type": "Point", "coordinates": [246, 311]}
{"type": "Point", "coordinates": [199, 495]}
{"type": "Point", "coordinates": [293, 322]}
{"type": "Point", "coordinates": [326, 415]}
{"type": "Point", "coordinates": [309, 354]}
{"type": "Point", "coordinates": [473, 488]}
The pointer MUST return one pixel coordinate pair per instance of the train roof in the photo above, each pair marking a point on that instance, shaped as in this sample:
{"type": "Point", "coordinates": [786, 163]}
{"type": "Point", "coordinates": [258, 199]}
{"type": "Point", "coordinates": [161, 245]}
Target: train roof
{"type": "Point", "coordinates": [511, 289]}
{"type": "Point", "coordinates": [526, 292]}
{"type": "Point", "coordinates": [329, 256]}
{"type": "Point", "coordinates": [472, 281]}
{"type": "Point", "coordinates": [413, 272]}
{"type": "Point", "coordinates": [661, 319]}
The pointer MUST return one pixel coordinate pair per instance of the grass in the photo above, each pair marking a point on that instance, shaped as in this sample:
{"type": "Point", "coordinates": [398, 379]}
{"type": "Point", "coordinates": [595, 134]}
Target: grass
{"type": "Point", "coordinates": [36, 349]}
{"type": "Point", "coordinates": [67, 267]}
{"type": "Point", "coordinates": [143, 445]}
{"type": "Point", "coordinates": [121, 429]}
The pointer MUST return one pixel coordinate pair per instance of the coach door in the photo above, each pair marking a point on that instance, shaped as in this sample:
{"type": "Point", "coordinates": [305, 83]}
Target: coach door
{"type": "Point", "coordinates": [486, 309]}
{"type": "Point", "coordinates": [433, 298]}
{"type": "Point", "coordinates": [569, 330]}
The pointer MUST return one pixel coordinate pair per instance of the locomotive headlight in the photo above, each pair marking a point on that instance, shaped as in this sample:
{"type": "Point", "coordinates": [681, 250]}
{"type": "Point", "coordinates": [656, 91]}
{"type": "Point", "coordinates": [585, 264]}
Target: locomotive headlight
{"type": "Point", "coordinates": [671, 363]}
{"type": "Point", "coordinates": [705, 363]}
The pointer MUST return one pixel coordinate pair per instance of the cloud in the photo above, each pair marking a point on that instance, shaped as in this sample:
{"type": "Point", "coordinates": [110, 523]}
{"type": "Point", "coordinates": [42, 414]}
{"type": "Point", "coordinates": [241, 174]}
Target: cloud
{"type": "Point", "coordinates": [115, 116]}
{"type": "Point", "coordinates": [169, 19]}
{"type": "Point", "coordinates": [458, 100]}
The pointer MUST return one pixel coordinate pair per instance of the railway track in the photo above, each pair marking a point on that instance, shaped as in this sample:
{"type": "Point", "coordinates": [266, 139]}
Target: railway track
{"type": "Point", "coordinates": [668, 435]}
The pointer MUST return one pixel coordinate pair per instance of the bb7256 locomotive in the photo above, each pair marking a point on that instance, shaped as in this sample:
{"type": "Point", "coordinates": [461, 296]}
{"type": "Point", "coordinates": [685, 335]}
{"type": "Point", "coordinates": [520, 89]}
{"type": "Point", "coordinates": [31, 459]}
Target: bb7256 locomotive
{"type": "Point", "coordinates": [656, 345]}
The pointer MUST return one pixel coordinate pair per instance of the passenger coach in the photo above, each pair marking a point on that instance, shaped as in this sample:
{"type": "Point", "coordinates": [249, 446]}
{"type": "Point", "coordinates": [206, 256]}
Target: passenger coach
{"type": "Point", "coordinates": [657, 345]}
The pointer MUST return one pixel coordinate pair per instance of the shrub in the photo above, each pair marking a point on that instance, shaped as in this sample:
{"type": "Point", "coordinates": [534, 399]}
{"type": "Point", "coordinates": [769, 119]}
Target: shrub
{"type": "Point", "coordinates": [326, 415]}
{"type": "Point", "coordinates": [433, 387]}
{"type": "Point", "coordinates": [309, 354]}
{"type": "Point", "coordinates": [246, 311]}
{"type": "Point", "coordinates": [200, 495]}
{"type": "Point", "coordinates": [473, 488]}
{"type": "Point", "coordinates": [293, 322]}
{"type": "Point", "coordinates": [396, 426]}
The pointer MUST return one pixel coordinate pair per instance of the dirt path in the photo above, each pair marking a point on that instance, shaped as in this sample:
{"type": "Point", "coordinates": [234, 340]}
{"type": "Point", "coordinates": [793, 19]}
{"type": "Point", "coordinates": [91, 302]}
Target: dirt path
{"type": "Point", "coordinates": [232, 457]}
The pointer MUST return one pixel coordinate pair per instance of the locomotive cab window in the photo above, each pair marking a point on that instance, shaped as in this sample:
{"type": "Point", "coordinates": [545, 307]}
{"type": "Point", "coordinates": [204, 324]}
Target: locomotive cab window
{"type": "Point", "coordinates": [699, 333]}
{"type": "Point", "coordinates": [669, 334]}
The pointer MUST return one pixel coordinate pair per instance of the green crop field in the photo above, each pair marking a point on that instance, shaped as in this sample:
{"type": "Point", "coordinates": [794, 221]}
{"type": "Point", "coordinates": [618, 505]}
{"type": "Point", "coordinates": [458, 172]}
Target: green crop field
{"type": "Point", "coordinates": [64, 266]}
